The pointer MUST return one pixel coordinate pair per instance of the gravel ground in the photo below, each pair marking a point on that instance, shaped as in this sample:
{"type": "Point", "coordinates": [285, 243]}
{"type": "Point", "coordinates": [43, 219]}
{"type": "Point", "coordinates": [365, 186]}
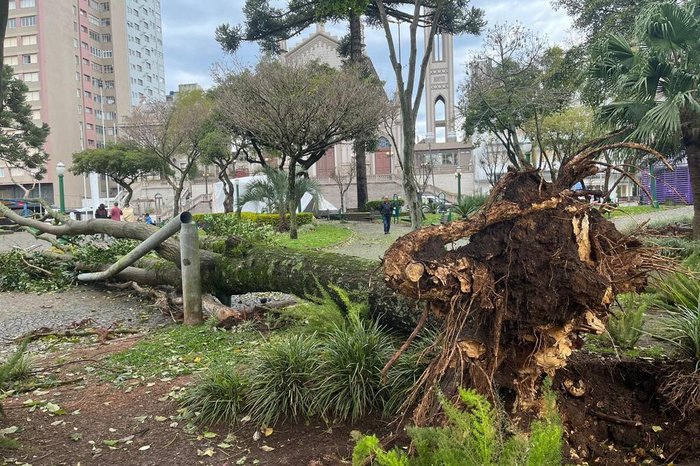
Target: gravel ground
{"type": "Point", "coordinates": [23, 312]}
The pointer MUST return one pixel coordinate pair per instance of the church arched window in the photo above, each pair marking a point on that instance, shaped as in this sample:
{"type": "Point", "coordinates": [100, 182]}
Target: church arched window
{"type": "Point", "coordinates": [439, 110]}
{"type": "Point", "coordinates": [438, 47]}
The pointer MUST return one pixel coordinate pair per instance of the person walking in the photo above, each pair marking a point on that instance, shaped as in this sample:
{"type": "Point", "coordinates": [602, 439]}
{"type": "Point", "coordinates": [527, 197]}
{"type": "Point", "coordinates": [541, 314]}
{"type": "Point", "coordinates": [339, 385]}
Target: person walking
{"type": "Point", "coordinates": [385, 210]}
{"type": "Point", "coordinates": [128, 213]}
{"type": "Point", "coordinates": [115, 213]}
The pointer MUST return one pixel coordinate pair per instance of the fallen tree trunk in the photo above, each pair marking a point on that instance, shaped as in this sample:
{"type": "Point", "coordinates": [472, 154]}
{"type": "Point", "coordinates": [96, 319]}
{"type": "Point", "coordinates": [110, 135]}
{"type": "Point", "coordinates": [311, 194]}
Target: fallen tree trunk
{"type": "Point", "coordinates": [541, 267]}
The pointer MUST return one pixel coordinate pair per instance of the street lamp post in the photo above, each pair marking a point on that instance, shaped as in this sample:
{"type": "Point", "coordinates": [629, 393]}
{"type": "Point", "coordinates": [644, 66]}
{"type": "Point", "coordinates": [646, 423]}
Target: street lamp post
{"type": "Point", "coordinates": [238, 196]}
{"type": "Point", "coordinates": [60, 171]}
{"type": "Point", "coordinates": [458, 175]}
{"type": "Point", "coordinates": [526, 146]}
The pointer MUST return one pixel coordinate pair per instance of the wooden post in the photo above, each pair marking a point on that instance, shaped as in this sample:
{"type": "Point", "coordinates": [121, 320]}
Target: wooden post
{"type": "Point", "coordinates": [191, 273]}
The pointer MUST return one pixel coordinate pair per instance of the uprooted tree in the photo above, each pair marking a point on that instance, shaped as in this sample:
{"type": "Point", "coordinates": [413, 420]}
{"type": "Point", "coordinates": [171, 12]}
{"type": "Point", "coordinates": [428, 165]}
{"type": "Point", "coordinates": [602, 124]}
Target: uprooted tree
{"type": "Point", "coordinates": [540, 269]}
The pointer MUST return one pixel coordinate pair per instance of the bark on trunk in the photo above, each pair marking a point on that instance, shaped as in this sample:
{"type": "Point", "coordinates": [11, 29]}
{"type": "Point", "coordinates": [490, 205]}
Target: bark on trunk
{"type": "Point", "coordinates": [128, 196]}
{"type": "Point", "coordinates": [692, 148]}
{"type": "Point", "coordinates": [361, 170]}
{"type": "Point", "coordinates": [356, 57]}
{"type": "Point", "coordinates": [409, 179]}
{"type": "Point", "coordinates": [292, 200]}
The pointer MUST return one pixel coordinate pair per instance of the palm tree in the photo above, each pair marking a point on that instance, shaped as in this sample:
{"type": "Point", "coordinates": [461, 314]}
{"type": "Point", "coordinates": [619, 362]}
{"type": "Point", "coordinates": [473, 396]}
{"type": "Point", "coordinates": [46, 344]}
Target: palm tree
{"type": "Point", "coordinates": [272, 191]}
{"type": "Point", "coordinates": [654, 83]}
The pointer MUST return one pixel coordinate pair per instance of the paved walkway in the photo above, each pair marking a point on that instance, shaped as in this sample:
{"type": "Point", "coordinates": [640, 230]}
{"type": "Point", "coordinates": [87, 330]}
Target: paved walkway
{"type": "Point", "coordinates": [666, 215]}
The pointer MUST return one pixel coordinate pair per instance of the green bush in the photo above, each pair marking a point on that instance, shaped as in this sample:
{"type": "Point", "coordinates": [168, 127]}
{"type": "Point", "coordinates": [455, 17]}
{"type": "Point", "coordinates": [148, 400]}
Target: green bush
{"type": "Point", "coordinates": [352, 357]}
{"type": "Point", "coordinates": [473, 437]}
{"type": "Point", "coordinates": [226, 225]}
{"type": "Point", "coordinates": [625, 325]}
{"type": "Point", "coordinates": [16, 367]}
{"type": "Point", "coordinates": [90, 252]}
{"type": "Point", "coordinates": [281, 379]}
{"type": "Point", "coordinates": [303, 218]}
{"type": "Point", "coordinates": [468, 205]}
{"type": "Point", "coordinates": [33, 273]}
{"type": "Point", "coordinates": [374, 205]}
{"type": "Point", "coordinates": [677, 247]}
{"type": "Point", "coordinates": [218, 396]}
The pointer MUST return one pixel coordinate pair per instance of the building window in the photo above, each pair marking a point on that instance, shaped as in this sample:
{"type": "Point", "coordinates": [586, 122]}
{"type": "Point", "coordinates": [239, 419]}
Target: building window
{"type": "Point", "coordinates": [12, 5]}
{"type": "Point", "coordinates": [83, 13]}
{"type": "Point", "coordinates": [105, 22]}
{"type": "Point", "coordinates": [27, 3]}
{"type": "Point", "coordinates": [86, 77]}
{"type": "Point", "coordinates": [2, 172]}
{"type": "Point", "coordinates": [108, 69]}
{"type": "Point", "coordinates": [438, 48]}
{"type": "Point", "coordinates": [97, 98]}
{"type": "Point", "coordinates": [32, 96]}
{"type": "Point", "coordinates": [29, 40]}
{"type": "Point", "coordinates": [80, 109]}
{"type": "Point", "coordinates": [106, 38]}
{"type": "Point", "coordinates": [87, 94]}
{"type": "Point", "coordinates": [91, 142]}
{"type": "Point", "coordinates": [26, 21]}
{"type": "Point", "coordinates": [12, 61]}
{"type": "Point", "coordinates": [94, 20]}
{"type": "Point", "coordinates": [111, 100]}
{"type": "Point", "coordinates": [88, 125]}
{"type": "Point", "coordinates": [94, 35]}
{"type": "Point", "coordinates": [11, 23]}
{"type": "Point", "coordinates": [88, 110]}
{"type": "Point", "coordinates": [85, 45]}
{"type": "Point", "coordinates": [29, 59]}
{"type": "Point", "coordinates": [109, 84]}
{"type": "Point", "coordinates": [106, 54]}
{"type": "Point", "coordinates": [86, 62]}
{"type": "Point", "coordinates": [97, 67]}
{"type": "Point", "coordinates": [84, 29]}
{"type": "Point", "coordinates": [96, 82]}
{"type": "Point", "coordinates": [31, 77]}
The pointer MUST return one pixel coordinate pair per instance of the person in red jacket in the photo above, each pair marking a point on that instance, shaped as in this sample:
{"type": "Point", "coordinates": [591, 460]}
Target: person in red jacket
{"type": "Point", "coordinates": [115, 212]}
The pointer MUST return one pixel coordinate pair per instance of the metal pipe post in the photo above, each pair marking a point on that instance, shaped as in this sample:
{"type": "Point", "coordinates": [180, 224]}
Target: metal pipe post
{"type": "Point", "coordinates": [152, 242]}
{"type": "Point", "coordinates": [191, 272]}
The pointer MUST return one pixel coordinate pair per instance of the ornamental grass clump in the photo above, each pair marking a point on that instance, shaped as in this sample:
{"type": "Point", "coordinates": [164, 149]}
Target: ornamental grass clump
{"type": "Point", "coordinates": [220, 395]}
{"type": "Point", "coordinates": [627, 321]}
{"type": "Point", "coordinates": [281, 379]}
{"type": "Point", "coordinates": [352, 357]}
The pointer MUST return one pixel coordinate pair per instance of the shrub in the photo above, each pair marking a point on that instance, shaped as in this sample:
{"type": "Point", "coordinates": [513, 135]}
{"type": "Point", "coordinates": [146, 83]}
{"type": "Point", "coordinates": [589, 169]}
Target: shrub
{"type": "Point", "coordinates": [681, 326]}
{"type": "Point", "coordinates": [473, 437]}
{"type": "Point", "coordinates": [281, 379]}
{"type": "Point", "coordinates": [677, 247]}
{"type": "Point", "coordinates": [303, 218]}
{"type": "Point", "coordinates": [33, 273]}
{"type": "Point", "coordinates": [94, 253]}
{"type": "Point", "coordinates": [229, 224]}
{"type": "Point", "coordinates": [468, 205]}
{"type": "Point", "coordinates": [352, 357]}
{"type": "Point", "coordinates": [625, 325]}
{"type": "Point", "coordinates": [218, 396]}
{"type": "Point", "coordinates": [16, 367]}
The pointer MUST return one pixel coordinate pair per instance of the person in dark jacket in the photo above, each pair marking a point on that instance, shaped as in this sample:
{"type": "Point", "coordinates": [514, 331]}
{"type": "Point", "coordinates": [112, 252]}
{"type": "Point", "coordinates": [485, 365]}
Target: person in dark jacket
{"type": "Point", "coordinates": [385, 210]}
{"type": "Point", "coordinates": [101, 212]}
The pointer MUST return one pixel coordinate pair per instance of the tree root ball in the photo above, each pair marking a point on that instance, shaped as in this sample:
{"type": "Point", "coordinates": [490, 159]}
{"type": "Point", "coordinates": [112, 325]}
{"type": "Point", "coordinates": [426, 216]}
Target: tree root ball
{"type": "Point", "coordinates": [540, 268]}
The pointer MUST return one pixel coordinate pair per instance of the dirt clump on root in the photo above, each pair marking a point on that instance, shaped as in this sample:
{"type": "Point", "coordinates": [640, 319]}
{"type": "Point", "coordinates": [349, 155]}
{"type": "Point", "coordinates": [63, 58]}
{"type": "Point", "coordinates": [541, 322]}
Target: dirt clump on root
{"type": "Point", "coordinates": [541, 267]}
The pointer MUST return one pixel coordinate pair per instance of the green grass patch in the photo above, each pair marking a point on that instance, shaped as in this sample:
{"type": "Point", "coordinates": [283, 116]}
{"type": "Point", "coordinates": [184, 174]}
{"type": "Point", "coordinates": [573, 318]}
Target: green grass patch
{"type": "Point", "coordinates": [316, 237]}
{"type": "Point", "coordinates": [626, 211]}
{"type": "Point", "coordinates": [181, 350]}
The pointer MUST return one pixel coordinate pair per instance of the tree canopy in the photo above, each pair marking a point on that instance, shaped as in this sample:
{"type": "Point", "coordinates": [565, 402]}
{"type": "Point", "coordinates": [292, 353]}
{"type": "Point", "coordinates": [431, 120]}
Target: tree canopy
{"type": "Point", "coordinates": [653, 83]}
{"type": "Point", "coordinates": [124, 163]}
{"type": "Point", "coordinates": [21, 141]}
{"type": "Point", "coordinates": [172, 131]}
{"type": "Point", "coordinates": [300, 111]}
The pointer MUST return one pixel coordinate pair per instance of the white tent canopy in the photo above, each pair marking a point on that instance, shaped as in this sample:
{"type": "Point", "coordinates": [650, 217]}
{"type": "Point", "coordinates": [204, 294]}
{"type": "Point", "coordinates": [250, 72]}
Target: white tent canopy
{"type": "Point", "coordinates": [258, 207]}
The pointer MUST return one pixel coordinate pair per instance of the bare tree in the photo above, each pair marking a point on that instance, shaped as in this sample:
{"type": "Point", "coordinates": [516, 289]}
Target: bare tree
{"type": "Point", "coordinates": [492, 160]}
{"type": "Point", "coordinates": [173, 131]}
{"type": "Point", "coordinates": [343, 179]}
{"type": "Point", "coordinates": [300, 111]}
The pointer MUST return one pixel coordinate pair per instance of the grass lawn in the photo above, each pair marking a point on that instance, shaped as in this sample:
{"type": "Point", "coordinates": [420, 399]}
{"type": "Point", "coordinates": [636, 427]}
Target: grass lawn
{"type": "Point", "coordinates": [322, 236]}
{"type": "Point", "coordinates": [638, 209]}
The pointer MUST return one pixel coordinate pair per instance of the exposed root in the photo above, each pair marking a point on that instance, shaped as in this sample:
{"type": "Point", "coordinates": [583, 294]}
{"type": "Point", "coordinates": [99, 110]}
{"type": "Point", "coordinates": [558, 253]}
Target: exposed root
{"type": "Point", "coordinates": [681, 390]}
{"type": "Point", "coordinates": [541, 267]}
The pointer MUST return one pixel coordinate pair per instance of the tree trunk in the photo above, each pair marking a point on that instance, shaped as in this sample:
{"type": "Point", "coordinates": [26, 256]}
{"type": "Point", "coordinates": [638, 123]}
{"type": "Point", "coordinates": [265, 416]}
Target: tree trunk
{"type": "Point", "coordinates": [291, 200]}
{"type": "Point", "coordinates": [4, 13]}
{"type": "Point", "coordinates": [692, 150]}
{"type": "Point", "coordinates": [130, 192]}
{"type": "Point", "coordinates": [409, 179]}
{"type": "Point", "coordinates": [361, 169]}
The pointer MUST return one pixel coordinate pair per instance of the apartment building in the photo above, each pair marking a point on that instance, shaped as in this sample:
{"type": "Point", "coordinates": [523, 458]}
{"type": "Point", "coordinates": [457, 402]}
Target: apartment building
{"type": "Point", "coordinates": [86, 63]}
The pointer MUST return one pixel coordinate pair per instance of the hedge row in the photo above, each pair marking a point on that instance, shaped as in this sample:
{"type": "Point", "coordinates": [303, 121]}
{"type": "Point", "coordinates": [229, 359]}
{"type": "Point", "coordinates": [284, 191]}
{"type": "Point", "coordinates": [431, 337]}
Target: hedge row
{"type": "Point", "coordinates": [303, 218]}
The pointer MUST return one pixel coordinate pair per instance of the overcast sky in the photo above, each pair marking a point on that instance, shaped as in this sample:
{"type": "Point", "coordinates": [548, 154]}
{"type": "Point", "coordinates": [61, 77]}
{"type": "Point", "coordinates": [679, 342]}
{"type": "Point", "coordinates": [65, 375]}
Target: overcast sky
{"type": "Point", "coordinates": [190, 49]}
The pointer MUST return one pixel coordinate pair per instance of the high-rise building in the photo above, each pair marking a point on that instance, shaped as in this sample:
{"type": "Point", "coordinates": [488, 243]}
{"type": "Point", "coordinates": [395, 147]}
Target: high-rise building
{"type": "Point", "coordinates": [86, 63]}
